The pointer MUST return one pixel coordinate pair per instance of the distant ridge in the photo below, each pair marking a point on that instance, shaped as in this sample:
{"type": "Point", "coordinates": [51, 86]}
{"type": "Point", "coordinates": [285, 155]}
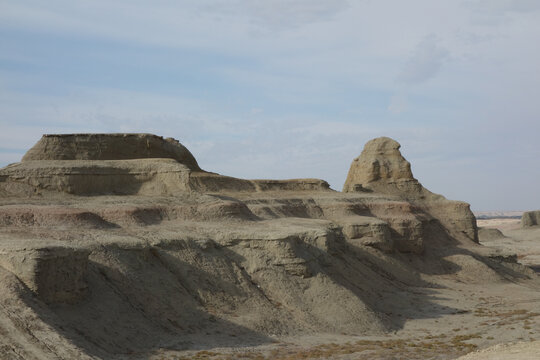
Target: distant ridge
{"type": "Point", "coordinates": [498, 214]}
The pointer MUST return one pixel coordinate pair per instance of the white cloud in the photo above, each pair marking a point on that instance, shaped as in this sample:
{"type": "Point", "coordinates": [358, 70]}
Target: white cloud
{"type": "Point", "coordinates": [398, 104]}
{"type": "Point", "coordinates": [425, 62]}
{"type": "Point", "coordinates": [504, 6]}
{"type": "Point", "coordinates": [279, 14]}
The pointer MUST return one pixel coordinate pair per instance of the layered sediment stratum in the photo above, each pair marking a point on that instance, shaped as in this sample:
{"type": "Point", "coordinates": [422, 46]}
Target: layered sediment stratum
{"type": "Point", "coordinates": [122, 164]}
{"type": "Point", "coordinates": [121, 243]}
{"type": "Point", "coordinates": [109, 147]}
{"type": "Point", "coordinates": [530, 218]}
{"type": "Point", "coordinates": [382, 169]}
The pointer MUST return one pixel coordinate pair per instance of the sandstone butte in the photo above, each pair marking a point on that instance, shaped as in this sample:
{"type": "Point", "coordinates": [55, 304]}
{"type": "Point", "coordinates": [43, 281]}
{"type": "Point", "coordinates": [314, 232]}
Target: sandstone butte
{"type": "Point", "coordinates": [530, 218]}
{"type": "Point", "coordinates": [121, 246]}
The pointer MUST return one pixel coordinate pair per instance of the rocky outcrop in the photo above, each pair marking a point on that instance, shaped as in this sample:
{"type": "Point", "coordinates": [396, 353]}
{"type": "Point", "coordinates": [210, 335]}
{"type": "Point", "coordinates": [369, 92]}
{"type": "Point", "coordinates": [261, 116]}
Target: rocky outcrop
{"type": "Point", "coordinates": [95, 177]}
{"type": "Point", "coordinates": [381, 168]}
{"type": "Point", "coordinates": [124, 164]}
{"type": "Point", "coordinates": [368, 231]}
{"type": "Point", "coordinates": [211, 182]}
{"type": "Point", "coordinates": [130, 233]}
{"type": "Point", "coordinates": [109, 147]}
{"type": "Point", "coordinates": [143, 164]}
{"type": "Point", "coordinates": [56, 274]}
{"type": "Point", "coordinates": [291, 185]}
{"type": "Point", "coordinates": [530, 218]}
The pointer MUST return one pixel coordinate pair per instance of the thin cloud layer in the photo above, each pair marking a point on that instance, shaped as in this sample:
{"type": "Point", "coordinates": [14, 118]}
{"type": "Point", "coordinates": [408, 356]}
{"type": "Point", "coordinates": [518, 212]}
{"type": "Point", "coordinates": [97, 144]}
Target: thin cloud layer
{"type": "Point", "coordinates": [426, 61]}
{"type": "Point", "coordinates": [278, 14]}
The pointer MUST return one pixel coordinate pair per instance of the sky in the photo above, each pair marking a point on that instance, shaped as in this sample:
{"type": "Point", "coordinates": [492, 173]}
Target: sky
{"type": "Point", "coordinates": [289, 88]}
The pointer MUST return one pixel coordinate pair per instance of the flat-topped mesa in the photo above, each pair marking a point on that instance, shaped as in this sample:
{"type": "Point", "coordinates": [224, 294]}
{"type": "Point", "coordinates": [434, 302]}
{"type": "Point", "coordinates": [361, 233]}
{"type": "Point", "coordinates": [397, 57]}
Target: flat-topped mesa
{"type": "Point", "coordinates": [124, 164]}
{"type": "Point", "coordinates": [109, 147]}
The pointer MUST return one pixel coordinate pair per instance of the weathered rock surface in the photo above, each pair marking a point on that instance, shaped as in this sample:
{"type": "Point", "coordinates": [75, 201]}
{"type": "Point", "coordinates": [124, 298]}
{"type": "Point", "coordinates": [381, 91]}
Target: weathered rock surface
{"type": "Point", "coordinates": [128, 246]}
{"type": "Point", "coordinates": [530, 218]}
{"type": "Point", "coordinates": [381, 168]}
{"type": "Point", "coordinates": [94, 177]}
{"type": "Point", "coordinates": [109, 147]}
{"type": "Point", "coordinates": [123, 164]}
{"type": "Point", "coordinates": [55, 274]}
{"type": "Point", "coordinates": [367, 230]}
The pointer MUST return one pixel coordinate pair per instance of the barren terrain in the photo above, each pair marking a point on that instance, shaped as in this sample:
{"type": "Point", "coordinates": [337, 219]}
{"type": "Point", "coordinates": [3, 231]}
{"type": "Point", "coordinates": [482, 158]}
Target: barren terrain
{"type": "Point", "coordinates": [118, 246]}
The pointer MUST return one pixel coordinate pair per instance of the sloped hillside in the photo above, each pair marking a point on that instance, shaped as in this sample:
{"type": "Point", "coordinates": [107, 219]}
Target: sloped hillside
{"type": "Point", "coordinates": [120, 246]}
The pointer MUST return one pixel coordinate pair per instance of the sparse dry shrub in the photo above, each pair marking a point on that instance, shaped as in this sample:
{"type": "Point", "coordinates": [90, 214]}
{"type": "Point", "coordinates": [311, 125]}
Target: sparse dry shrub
{"type": "Point", "coordinates": [366, 349]}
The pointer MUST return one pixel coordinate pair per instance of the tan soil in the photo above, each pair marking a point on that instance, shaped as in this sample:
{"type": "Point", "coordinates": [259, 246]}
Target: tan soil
{"type": "Point", "coordinates": [183, 263]}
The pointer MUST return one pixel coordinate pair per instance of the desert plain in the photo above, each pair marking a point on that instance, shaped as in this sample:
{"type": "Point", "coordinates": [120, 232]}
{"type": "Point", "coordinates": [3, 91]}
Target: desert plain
{"type": "Point", "coordinates": [119, 246]}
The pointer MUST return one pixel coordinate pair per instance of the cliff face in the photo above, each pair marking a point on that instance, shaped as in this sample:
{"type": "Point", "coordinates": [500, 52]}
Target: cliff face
{"type": "Point", "coordinates": [530, 218]}
{"type": "Point", "coordinates": [123, 164]}
{"type": "Point", "coordinates": [132, 222]}
{"type": "Point", "coordinates": [387, 208]}
{"type": "Point", "coordinates": [382, 169]}
{"type": "Point", "coordinates": [109, 147]}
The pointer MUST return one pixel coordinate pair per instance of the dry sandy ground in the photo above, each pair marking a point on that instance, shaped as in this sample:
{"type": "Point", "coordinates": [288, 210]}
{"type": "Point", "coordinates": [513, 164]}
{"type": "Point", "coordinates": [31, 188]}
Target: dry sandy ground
{"type": "Point", "coordinates": [501, 321]}
{"type": "Point", "coordinates": [524, 242]}
{"type": "Point", "coordinates": [518, 351]}
{"type": "Point", "coordinates": [461, 317]}
{"type": "Point", "coordinates": [502, 224]}
{"type": "Point", "coordinates": [461, 307]}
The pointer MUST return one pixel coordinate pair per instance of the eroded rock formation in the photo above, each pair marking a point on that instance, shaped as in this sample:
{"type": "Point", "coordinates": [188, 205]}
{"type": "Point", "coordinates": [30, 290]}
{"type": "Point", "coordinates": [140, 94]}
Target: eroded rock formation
{"type": "Point", "coordinates": [109, 147]}
{"type": "Point", "coordinates": [530, 218]}
{"type": "Point", "coordinates": [130, 223]}
{"type": "Point", "coordinates": [122, 164]}
{"type": "Point", "coordinates": [381, 168]}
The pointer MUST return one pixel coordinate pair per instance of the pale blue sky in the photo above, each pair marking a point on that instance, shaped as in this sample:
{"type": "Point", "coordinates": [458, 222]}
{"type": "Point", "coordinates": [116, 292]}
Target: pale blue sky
{"type": "Point", "coordinates": [289, 88]}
